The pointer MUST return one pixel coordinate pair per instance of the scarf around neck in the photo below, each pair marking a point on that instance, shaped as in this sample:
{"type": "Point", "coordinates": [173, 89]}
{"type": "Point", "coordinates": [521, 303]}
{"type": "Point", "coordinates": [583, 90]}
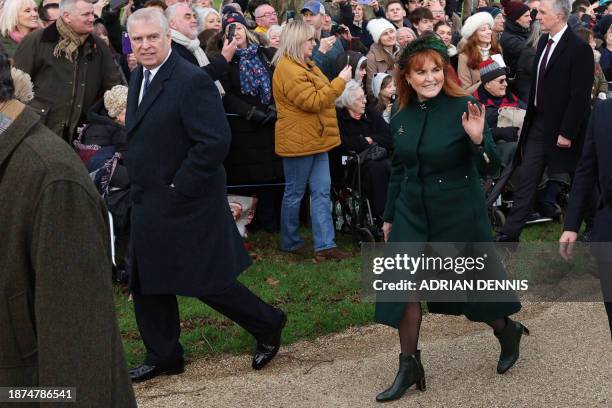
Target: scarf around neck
{"type": "Point", "coordinates": [193, 46]}
{"type": "Point", "coordinates": [254, 77]}
{"type": "Point", "coordinates": [69, 43]}
{"type": "Point", "coordinates": [16, 35]}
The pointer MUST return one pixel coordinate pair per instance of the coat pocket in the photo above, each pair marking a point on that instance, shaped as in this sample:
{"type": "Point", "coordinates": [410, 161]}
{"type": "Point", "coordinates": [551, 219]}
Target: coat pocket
{"type": "Point", "coordinates": [21, 321]}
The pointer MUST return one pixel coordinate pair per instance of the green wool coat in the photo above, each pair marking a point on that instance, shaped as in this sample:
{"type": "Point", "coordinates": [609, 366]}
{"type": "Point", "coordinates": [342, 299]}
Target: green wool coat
{"type": "Point", "coordinates": [435, 194]}
{"type": "Point", "coordinates": [64, 91]}
{"type": "Point", "coordinates": [57, 315]}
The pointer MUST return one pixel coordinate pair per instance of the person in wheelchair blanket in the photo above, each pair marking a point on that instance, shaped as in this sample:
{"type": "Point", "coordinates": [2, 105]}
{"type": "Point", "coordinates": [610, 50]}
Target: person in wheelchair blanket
{"type": "Point", "coordinates": [367, 134]}
{"type": "Point", "coordinates": [498, 99]}
{"type": "Point", "coordinates": [101, 144]}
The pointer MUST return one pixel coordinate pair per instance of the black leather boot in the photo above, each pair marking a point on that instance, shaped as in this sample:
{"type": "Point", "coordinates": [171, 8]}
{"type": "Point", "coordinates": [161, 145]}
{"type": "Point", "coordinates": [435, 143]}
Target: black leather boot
{"type": "Point", "coordinates": [510, 340]}
{"type": "Point", "coordinates": [410, 372]}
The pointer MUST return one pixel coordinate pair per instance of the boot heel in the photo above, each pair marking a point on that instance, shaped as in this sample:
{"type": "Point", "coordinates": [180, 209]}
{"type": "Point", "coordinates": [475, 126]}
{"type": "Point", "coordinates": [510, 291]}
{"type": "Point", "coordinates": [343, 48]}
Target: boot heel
{"type": "Point", "coordinates": [421, 385]}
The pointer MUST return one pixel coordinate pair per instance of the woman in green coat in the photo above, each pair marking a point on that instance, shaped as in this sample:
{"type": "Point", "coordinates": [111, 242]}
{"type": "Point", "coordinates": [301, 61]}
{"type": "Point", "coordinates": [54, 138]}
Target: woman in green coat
{"type": "Point", "coordinates": [441, 146]}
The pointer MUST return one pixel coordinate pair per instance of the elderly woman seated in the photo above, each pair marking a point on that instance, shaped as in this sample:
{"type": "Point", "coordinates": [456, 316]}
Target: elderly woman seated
{"type": "Point", "coordinates": [361, 130]}
{"type": "Point", "coordinates": [497, 98]}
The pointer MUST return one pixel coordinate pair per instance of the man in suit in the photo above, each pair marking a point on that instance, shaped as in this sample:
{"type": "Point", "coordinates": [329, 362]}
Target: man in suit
{"type": "Point", "coordinates": [557, 114]}
{"type": "Point", "coordinates": [594, 170]}
{"type": "Point", "coordinates": [184, 240]}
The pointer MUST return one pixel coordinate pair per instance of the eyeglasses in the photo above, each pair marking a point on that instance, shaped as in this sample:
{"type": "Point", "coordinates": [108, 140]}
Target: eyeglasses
{"type": "Point", "coordinates": [268, 15]}
{"type": "Point", "coordinates": [502, 81]}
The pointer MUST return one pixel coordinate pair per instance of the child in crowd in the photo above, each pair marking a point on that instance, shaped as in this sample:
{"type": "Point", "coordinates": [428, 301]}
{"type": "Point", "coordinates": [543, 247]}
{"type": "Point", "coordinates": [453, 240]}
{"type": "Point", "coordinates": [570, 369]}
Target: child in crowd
{"type": "Point", "coordinates": [383, 89]}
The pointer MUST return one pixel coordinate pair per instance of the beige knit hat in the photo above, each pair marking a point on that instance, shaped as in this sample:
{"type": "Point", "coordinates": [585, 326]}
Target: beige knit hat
{"type": "Point", "coordinates": [115, 100]}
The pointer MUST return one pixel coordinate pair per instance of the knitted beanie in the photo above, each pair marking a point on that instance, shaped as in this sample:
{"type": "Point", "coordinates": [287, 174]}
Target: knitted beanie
{"type": "Point", "coordinates": [377, 26]}
{"type": "Point", "coordinates": [115, 100]}
{"type": "Point", "coordinates": [515, 9]}
{"type": "Point", "coordinates": [493, 11]}
{"type": "Point", "coordinates": [377, 83]}
{"type": "Point", "coordinates": [233, 18]}
{"type": "Point", "coordinates": [489, 70]}
{"type": "Point", "coordinates": [474, 22]}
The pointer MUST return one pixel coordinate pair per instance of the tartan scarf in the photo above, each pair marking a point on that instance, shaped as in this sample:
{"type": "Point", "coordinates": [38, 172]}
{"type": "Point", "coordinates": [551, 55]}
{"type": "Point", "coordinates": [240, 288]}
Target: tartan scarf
{"type": "Point", "coordinates": [69, 43]}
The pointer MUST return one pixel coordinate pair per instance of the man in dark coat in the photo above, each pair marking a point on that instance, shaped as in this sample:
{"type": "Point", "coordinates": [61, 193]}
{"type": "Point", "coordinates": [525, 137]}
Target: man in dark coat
{"type": "Point", "coordinates": [557, 113]}
{"type": "Point", "coordinates": [57, 315]}
{"type": "Point", "coordinates": [594, 171]}
{"type": "Point", "coordinates": [184, 239]}
{"type": "Point", "coordinates": [513, 39]}
{"type": "Point", "coordinates": [184, 31]}
{"type": "Point", "coordinates": [69, 66]}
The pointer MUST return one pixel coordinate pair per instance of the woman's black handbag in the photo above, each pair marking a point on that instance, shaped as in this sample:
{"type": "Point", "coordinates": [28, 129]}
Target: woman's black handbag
{"type": "Point", "coordinates": [374, 152]}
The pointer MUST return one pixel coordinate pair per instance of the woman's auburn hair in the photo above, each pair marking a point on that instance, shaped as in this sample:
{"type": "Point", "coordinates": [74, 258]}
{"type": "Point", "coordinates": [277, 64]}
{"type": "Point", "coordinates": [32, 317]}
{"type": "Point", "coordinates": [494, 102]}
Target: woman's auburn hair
{"type": "Point", "coordinates": [471, 49]}
{"type": "Point", "coordinates": [405, 92]}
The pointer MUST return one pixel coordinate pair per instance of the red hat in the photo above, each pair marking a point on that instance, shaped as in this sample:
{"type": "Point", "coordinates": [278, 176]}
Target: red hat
{"type": "Point", "coordinates": [515, 9]}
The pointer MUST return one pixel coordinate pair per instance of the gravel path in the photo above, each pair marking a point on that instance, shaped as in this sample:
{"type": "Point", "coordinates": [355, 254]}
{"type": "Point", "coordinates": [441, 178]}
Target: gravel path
{"type": "Point", "coordinates": [566, 362]}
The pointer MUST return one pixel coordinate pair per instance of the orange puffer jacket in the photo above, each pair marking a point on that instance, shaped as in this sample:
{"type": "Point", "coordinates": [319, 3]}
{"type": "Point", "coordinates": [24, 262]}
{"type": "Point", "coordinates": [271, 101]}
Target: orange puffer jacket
{"type": "Point", "coordinates": [306, 115]}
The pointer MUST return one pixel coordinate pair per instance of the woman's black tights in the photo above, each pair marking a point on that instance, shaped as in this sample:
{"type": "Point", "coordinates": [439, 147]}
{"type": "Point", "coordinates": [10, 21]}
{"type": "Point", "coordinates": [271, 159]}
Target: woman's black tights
{"type": "Point", "coordinates": [410, 326]}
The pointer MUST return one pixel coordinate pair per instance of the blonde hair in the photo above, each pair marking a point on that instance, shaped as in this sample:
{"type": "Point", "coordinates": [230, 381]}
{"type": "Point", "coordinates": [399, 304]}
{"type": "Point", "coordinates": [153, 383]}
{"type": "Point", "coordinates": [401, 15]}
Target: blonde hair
{"type": "Point", "coordinates": [291, 44]}
{"type": "Point", "coordinates": [9, 17]}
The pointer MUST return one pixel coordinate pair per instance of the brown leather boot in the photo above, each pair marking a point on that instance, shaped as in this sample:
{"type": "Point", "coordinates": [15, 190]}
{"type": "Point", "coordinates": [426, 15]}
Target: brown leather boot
{"type": "Point", "coordinates": [332, 254]}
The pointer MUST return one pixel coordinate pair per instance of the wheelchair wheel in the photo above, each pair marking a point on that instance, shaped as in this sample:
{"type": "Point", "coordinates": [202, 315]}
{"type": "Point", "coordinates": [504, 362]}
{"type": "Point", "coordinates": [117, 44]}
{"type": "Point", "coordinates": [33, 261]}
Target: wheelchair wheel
{"type": "Point", "coordinates": [362, 235]}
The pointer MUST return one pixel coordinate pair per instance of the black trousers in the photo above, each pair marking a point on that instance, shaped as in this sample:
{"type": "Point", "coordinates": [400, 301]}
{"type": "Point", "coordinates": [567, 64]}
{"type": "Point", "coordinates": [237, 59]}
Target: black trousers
{"type": "Point", "coordinates": [527, 176]}
{"type": "Point", "coordinates": [605, 276]}
{"type": "Point", "coordinates": [158, 320]}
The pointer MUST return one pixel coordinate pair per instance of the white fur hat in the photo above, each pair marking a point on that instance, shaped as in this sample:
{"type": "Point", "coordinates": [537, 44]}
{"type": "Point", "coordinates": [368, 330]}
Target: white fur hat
{"type": "Point", "coordinates": [377, 26]}
{"type": "Point", "coordinates": [474, 22]}
{"type": "Point", "coordinates": [377, 83]}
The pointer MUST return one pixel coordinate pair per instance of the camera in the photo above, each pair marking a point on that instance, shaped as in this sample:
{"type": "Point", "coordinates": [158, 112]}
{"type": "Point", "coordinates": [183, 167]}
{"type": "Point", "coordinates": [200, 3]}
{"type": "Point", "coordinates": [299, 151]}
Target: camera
{"type": "Point", "coordinates": [337, 29]}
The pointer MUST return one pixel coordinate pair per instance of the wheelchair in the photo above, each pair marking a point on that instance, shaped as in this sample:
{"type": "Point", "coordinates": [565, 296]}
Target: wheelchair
{"type": "Point", "coordinates": [351, 209]}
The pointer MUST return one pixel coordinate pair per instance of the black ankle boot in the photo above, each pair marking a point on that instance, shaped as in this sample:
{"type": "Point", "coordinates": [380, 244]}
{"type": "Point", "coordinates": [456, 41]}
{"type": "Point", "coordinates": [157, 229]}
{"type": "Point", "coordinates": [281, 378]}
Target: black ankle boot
{"type": "Point", "coordinates": [410, 372]}
{"type": "Point", "coordinates": [510, 340]}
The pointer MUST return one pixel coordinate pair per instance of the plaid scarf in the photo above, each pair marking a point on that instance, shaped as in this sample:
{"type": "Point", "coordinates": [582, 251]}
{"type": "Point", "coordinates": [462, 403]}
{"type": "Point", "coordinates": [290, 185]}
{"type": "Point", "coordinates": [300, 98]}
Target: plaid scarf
{"type": "Point", "coordinates": [69, 43]}
{"type": "Point", "coordinates": [254, 78]}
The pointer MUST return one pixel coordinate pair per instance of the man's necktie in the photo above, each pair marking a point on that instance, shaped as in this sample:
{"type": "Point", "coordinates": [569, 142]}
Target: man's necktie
{"type": "Point", "coordinates": [541, 73]}
{"type": "Point", "coordinates": [147, 77]}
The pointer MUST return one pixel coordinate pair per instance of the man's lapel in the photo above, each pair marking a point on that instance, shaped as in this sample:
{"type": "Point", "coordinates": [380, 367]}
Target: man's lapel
{"type": "Point", "coordinates": [559, 49]}
{"type": "Point", "coordinates": [155, 89]}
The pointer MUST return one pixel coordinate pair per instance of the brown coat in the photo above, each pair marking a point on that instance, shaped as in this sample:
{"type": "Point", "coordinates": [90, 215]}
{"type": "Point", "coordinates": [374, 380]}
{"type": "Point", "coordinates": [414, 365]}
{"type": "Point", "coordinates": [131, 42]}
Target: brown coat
{"type": "Point", "coordinates": [57, 311]}
{"type": "Point", "coordinates": [379, 60]}
{"type": "Point", "coordinates": [306, 113]}
{"type": "Point", "coordinates": [470, 78]}
{"type": "Point", "coordinates": [65, 91]}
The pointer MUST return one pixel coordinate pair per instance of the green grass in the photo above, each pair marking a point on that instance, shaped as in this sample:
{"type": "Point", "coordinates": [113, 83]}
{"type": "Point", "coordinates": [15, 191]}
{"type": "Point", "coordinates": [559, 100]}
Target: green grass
{"type": "Point", "coordinates": [318, 298]}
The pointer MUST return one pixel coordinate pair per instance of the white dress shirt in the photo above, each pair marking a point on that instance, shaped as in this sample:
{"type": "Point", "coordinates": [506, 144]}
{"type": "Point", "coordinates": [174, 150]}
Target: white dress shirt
{"type": "Point", "coordinates": [153, 72]}
{"type": "Point", "coordinates": [556, 38]}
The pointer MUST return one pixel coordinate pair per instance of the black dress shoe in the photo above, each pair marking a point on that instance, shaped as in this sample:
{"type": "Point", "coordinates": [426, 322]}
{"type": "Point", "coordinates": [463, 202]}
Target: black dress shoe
{"type": "Point", "coordinates": [146, 372]}
{"type": "Point", "coordinates": [265, 351]}
{"type": "Point", "coordinates": [501, 237]}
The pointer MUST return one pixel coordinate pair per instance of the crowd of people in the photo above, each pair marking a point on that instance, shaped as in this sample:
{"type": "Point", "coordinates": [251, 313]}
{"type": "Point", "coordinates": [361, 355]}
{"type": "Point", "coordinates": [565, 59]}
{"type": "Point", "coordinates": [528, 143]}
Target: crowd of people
{"type": "Point", "coordinates": [173, 104]}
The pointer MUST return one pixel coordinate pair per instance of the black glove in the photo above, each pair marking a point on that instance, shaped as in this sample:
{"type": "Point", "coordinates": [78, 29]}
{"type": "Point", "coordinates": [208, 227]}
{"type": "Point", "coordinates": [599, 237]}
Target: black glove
{"type": "Point", "coordinates": [270, 115]}
{"type": "Point", "coordinates": [263, 118]}
{"type": "Point", "coordinates": [257, 116]}
{"type": "Point", "coordinates": [507, 134]}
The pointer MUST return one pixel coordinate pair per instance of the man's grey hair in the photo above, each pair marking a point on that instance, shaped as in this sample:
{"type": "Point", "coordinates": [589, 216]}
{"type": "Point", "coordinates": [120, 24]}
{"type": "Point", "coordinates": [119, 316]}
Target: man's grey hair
{"type": "Point", "coordinates": [68, 5]}
{"type": "Point", "coordinates": [149, 15]}
{"type": "Point", "coordinates": [171, 11]}
{"type": "Point", "coordinates": [346, 99]}
{"type": "Point", "coordinates": [562, 6]}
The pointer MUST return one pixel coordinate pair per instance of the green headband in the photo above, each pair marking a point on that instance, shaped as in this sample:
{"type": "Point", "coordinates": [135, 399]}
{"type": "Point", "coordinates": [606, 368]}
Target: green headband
{"type": "Point", "coordinates": [424, 42]}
